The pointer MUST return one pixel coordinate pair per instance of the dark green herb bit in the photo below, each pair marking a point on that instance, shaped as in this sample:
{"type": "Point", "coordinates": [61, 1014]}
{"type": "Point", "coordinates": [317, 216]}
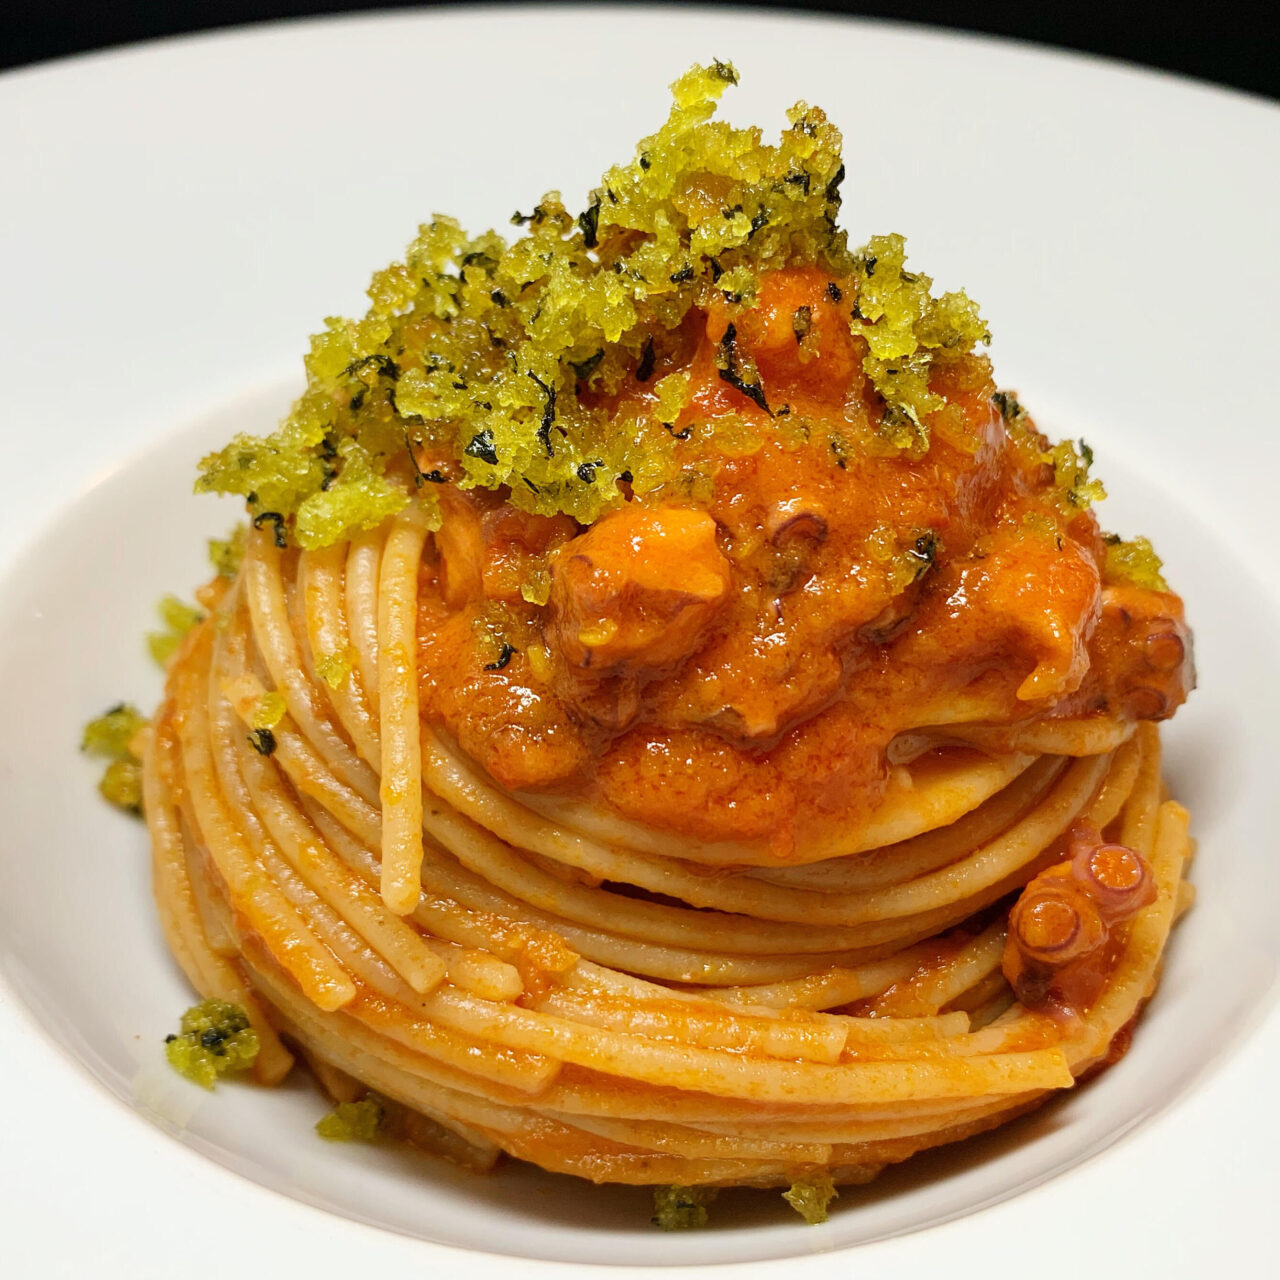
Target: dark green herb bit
{"type": "Point", "coordinates": [263, 741]}
{"type": "Point", "coordinates": [276, 521]}
{"type": "Point", "coordinates": [924, 551]}
{"type": "Point", "coordinates": [1010, 410]}
{"type": "Point", "coordinates": [481, 447]}
{"type": "Point", "coordinates": [505, 654]}
{"type": "Point", "coordinates": [588, 222]}
{"type": "Point", "coordinates": [727, 365]}
{"type": "Point", "coordinates": [644, 370]}
{"type": "Point", "coordinates": [801, 323]}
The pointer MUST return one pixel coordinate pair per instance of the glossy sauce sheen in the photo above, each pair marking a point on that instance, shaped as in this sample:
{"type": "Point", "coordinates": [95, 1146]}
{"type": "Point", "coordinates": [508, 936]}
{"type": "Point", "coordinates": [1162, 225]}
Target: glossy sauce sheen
{"type": "Point", "coordinates": [733, 662]}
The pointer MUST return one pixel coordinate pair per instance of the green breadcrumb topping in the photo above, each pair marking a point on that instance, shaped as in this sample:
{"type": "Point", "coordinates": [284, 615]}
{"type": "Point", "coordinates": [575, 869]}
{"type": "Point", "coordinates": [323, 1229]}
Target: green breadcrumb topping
{"type": "Point", "coordinates": [111, 733]}
{"type": "Point", "coordinates": [226, 553]}
{"type": "Point", "coordinates": [504, 361]}
{"type": "Point", "coordinates": [1071, 473]}
{"type": "Point", "coordinates": [907, 330]}
{"type": "Point", "coordinates": [334, 668]}
{"type": "Point", "coordinates": [810, 1198]}
{"type": "Point", "coordinates": [121, 785]}
{"type": "Point", "coordinates": [216, 1038]}
{"type": "Point", "coordinates": [269, 711]}
{"type": "Point", "coordinates": [110, 736]}
{"type": "Point", "coordinates": [178, 619]}
{"type": "Point", "coordinates": [353, 1122]}
{"type": "Point", "coordinates": [682, 1208]}
{"type": "Point", "coordinates": [1135, 561]}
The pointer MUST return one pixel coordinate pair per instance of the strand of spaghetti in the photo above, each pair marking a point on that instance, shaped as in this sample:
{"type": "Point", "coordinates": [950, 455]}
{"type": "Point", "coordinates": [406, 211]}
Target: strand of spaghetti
{"type": "Point", "coordinates": [827, 988]}
{"type": "Point", "coordinates": [444, 1092]}
{"type": "Point", "coordinates": [852, 1132]}
{"type": "Point", "coordinates": [527, 1071]}
{"type": "Point", "coordinates": [812, 1041]}
{"type": "Point", "coordinates": [864, 1038]}
{"type": "Point", "coordinates": [253, 892]}
{"type": "Point", "coordinates": [1118, 784]}
{"type": "Point", "coordinates": [1185, 901]}
{"type": "Point", "coordinates": [959, 883]}
{"type": "Point", "coordinates": [446, 917]}
{"type": "Point", "coordinates": [980, 999]}
{"type": "Point", "coordinates": [1137, 828]}
{"type": "Point", "coordinates": [458, 1143]}
{"type": "Point", "coordinates": [320, 578]}
{"type": "Point", "coordinates": [588, 978]}
{"type": "Point", "coordinates": [578, 1092]}
{"type": "Point", "coordinates": [937, 984]}
{"type": "Point", "coordinates": [325, 874]}
{"type": "Point", "coordinates": [337, 1084]}
{"type": "Point", "coordinates": [277, 646]}
{"type": "Point", "coordinates": [399, 724]}
{"type": "Point", "coordinates": [1133, 979]}
{"type": "Point", "coordinates": [360, 586]}
{"type": "Point", "coordinates": [517, 826]}
{"type": "Point", "coordinates": [442, 876]}
{"type": "Point", "coordinates": [300, 873]}
{"type": "Point", "coordinates": [466, 965]}
{"type": "Point", "coordinates": [779, 1038]}
{"type": "Point", "coordinates": [944, 794]}
{"type": "Point", "coordinates": [892, 864]}
{"type": "Point", "coordinates": [711, 1071]}
{"type": "Point", "coordinates": [214, 911]}
{"type": "Point", "coordinates": [210, 973]}
{"type": "Point", "coordinates": [1090, 736]}
{"type": "Point", "coordinates": [696, 1145]}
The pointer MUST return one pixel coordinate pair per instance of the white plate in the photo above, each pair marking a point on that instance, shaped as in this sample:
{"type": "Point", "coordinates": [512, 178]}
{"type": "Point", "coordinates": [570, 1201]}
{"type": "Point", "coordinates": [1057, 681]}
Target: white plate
{"type": "Point", "coordinates": [176, 220]}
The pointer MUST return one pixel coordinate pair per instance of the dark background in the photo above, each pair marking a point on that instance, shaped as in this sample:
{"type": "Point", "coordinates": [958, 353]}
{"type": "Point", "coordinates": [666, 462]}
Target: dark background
{"type": "Point", "coordinates": [1223, 42]}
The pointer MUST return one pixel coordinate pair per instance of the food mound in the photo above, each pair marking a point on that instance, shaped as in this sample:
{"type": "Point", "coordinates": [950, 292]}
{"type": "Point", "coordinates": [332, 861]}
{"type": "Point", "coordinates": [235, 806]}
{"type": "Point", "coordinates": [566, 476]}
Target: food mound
{"type": "Point", "coordinates": [671, 718]}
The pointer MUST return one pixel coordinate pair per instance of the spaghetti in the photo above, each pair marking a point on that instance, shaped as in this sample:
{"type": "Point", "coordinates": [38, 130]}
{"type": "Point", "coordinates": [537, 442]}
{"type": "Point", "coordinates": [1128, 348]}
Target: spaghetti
{"type": "Point", "coordinates": [729, 763]}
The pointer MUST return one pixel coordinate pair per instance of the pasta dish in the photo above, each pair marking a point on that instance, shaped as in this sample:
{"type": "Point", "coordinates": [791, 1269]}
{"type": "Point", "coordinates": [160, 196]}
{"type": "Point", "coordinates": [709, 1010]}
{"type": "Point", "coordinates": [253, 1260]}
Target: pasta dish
{"type": "Point", "coordinates": [670, 717]}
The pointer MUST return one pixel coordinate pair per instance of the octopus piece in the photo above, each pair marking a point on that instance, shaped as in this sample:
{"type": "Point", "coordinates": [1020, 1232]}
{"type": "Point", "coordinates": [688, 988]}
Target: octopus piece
{"type": "Point", "coordinates": [631, 599]}
{"type": "Point", "coordinates": [1148, 647]}
{"type": "Point", "coordinates": [795, 530]}
{"type": "Point", "coordinates": [1057, 952]}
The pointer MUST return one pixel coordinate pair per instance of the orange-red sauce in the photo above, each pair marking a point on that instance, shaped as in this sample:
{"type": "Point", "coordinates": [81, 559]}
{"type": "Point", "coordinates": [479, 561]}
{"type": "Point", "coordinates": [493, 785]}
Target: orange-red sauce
{"type": "Point", "coordinates": [735, 668]}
